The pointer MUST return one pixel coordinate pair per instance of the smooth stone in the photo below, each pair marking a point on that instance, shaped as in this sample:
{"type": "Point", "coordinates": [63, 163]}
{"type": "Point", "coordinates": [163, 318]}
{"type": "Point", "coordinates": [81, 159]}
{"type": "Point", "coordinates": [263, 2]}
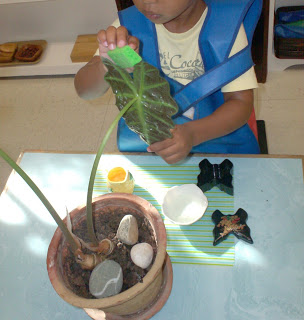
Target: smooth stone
{"type": "Point", "coordinates": [128, 230]}
{"type": "Point", "coordinates": [142, 255]}
{"type": "Point", "coordinates": [106, 279]}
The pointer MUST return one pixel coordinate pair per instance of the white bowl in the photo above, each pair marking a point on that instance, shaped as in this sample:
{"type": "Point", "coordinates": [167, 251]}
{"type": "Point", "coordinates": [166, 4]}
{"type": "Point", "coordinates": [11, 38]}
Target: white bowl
{"type": "Point", "coordinates": [184, 204]}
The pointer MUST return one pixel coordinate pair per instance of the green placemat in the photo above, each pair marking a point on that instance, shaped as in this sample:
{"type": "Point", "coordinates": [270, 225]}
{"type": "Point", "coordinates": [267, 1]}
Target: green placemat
{"type": "Point", "coordinates": [191, 244]}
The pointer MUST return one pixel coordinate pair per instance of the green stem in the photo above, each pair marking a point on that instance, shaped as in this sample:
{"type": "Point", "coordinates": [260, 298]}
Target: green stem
{"type": "Point", "coordinates": [94, 170]}
{"type": "Point", "coordinates": [43, 199]}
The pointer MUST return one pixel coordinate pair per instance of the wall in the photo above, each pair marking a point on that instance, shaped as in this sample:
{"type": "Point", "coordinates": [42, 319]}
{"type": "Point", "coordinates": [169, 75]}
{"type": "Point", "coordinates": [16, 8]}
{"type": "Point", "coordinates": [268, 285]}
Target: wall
{"type": "Point", "coordinates": [58, 20]}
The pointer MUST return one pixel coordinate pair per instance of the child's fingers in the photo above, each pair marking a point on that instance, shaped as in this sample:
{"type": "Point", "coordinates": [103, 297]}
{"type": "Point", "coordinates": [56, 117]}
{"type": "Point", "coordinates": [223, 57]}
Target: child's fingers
{"type": "Point", "coordinates": [107, 39]}
{"type": "Point", "coordinates": [111, 37]}
{"type": "Point", "coordinates": [123, 39]}
{"type": "Point", "coordinates": [115, 37]}
{"type": "Point", "coordinates": [161, 145]}
{"type": "Point", "coordinates": [133, 42]}
{"type": "Point", "coordinates": [122, 36]}
{"type": "Point", "coordinates": [168, 151]}
{"type": "Point", "coordinates": [102, 39]}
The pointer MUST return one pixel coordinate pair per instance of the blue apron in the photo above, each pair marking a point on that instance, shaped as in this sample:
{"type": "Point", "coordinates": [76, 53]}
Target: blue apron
{"type": "Point", "coordinates": [216, 39]}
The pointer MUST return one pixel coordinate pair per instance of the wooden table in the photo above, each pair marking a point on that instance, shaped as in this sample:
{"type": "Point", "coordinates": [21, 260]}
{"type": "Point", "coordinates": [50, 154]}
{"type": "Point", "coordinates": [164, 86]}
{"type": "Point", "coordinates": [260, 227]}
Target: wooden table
{"type": "Point", "coordinates": [265, 282]}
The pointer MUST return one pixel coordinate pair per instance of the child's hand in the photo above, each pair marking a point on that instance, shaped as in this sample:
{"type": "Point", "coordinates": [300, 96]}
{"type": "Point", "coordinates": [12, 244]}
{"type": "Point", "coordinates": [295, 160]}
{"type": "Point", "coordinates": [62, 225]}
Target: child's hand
{"type": "Point", "coordinates": [115, 37]}
{"type": "Point", "coordinates": [174, 149]}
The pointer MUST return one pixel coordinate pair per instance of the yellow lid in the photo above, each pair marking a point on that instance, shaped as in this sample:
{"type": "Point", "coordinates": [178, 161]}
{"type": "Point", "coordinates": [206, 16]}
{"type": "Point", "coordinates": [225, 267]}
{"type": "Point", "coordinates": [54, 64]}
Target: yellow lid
{"type": "Point", "coordinates": [117, 174]}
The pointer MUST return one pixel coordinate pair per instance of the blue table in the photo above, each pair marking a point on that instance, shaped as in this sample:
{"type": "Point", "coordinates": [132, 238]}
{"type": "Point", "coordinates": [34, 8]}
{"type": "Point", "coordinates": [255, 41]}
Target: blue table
{"type": "Point", "coordinates": [266, 281]}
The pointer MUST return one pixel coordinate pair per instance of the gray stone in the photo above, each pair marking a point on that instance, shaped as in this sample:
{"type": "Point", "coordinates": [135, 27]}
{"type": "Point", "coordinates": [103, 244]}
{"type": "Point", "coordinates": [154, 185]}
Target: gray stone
{"type": "Point", "coordinates": [106, 279]}
{"type": "Point", "coordinates": [142, 255]}
{"type": "Point", "coordinates": [128, 230]}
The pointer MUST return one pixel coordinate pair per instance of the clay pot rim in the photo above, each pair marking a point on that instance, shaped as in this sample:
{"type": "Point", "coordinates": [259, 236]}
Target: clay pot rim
{"type": "Point", "coordinates": [72, 298]}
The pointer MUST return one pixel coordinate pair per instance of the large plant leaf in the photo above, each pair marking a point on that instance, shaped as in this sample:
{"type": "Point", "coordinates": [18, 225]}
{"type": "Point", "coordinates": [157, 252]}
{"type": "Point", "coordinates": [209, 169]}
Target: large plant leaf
{"type": "Point", "coordinates": [150, 114]}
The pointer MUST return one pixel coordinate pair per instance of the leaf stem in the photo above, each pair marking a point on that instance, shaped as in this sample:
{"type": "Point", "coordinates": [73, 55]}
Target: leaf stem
{"type": "Point", "coordinates": [94, 170]}
{"type": "Point", "coordinates": [43, 199]}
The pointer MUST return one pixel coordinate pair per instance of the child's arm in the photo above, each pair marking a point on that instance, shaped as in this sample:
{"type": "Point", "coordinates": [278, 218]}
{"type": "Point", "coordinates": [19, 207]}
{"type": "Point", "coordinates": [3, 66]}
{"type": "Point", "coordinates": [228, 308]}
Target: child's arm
{"type": "Point", "coordinates": [231, 115]}
{"type": "Point", "coordinates": [89, 81]}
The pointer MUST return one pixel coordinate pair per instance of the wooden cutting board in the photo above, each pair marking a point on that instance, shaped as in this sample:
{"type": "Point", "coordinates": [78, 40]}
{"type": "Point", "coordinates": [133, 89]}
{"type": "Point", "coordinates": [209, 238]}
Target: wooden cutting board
{"type": "Point", "coordinates": [84, 48]}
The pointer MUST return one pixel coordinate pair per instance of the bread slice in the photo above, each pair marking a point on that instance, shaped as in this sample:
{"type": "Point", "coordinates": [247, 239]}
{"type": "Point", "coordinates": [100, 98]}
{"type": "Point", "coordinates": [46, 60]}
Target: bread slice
{"type": "Point", "coordinates": [7, 52]}
{"type": "Point", "coordinates": [8, 47]}
{"type": "Point", "coordinates": [29, 52]}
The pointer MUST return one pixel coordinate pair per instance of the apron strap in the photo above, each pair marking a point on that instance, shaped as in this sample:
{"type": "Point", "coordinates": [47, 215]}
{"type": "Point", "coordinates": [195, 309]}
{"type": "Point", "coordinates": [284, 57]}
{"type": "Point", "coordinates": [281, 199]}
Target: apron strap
{"type": "Point", "coordinates": [213, 80]}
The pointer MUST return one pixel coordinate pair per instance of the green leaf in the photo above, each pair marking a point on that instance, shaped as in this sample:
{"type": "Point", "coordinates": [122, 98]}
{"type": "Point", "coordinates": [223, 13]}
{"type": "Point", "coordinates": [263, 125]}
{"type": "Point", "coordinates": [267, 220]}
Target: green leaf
{"type": "Point", "coordinates": [151, 112]}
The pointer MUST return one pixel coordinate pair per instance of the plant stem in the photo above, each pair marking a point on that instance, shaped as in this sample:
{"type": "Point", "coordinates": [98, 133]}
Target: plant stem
{"type": "Point", "coordinates": [43, 199]}
{"type": "Point", "coordinates": [94, 170]}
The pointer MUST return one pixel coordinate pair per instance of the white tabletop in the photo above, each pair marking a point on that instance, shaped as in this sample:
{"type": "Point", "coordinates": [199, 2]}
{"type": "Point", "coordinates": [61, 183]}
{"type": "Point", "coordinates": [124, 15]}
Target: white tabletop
{"type": "Point", "coordinates": [266, 281]}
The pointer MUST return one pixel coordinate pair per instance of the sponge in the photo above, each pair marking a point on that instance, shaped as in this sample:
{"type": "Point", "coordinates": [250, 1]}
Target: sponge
{"type": "Point", "coordinates": [124, 57]}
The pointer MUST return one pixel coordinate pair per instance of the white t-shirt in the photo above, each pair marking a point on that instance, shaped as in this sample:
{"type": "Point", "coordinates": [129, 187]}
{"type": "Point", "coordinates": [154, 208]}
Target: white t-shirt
{"type": "Point", "coordinates": [181, 60]}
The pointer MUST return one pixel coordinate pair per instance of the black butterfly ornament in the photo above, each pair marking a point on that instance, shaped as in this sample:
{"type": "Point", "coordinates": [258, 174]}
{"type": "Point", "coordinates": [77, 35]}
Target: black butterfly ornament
{"type": "Point", "coordinates": [227, 224]}
{"type": "Point", "coordinates": [212, 175]}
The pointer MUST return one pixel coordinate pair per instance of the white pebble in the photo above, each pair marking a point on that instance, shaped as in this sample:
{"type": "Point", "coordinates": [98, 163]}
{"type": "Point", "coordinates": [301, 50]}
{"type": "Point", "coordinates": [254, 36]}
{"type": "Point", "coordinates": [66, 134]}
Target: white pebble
{"type": "Point", "coordinates": [128, 230]}
{"type": "Point", "coordinates": [142, 255]}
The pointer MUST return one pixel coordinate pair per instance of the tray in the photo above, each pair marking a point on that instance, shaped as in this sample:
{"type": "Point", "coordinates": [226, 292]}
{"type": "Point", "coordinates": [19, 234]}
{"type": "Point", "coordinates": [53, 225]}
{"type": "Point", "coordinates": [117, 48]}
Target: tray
{"type": "Point", "coordinates": [288, 48]}
{"type": "Point", "coordinates": [16, 62]}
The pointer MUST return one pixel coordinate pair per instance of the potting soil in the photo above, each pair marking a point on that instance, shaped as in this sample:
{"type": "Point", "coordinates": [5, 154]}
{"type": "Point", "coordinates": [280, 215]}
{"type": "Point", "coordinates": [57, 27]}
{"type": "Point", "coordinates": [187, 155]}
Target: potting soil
{"type": "Point", "coordinates": [106, 225]}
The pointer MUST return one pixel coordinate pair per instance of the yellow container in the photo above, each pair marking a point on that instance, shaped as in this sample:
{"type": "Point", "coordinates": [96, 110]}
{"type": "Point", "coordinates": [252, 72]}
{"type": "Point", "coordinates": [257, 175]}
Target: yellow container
{"type": "Point", "coordinates": [119, 179]}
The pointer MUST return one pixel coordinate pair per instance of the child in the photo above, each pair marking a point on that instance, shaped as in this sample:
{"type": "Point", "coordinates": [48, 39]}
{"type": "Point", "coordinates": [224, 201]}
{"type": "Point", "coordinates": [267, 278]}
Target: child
{"type": "Point", "coordinates": [201, 48]}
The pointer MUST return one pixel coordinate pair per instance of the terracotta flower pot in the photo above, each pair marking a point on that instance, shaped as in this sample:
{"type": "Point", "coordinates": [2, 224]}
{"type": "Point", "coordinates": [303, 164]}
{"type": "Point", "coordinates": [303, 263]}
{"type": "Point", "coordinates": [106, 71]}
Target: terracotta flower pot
{"type": "Point", "coordinates": [155, 289]}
